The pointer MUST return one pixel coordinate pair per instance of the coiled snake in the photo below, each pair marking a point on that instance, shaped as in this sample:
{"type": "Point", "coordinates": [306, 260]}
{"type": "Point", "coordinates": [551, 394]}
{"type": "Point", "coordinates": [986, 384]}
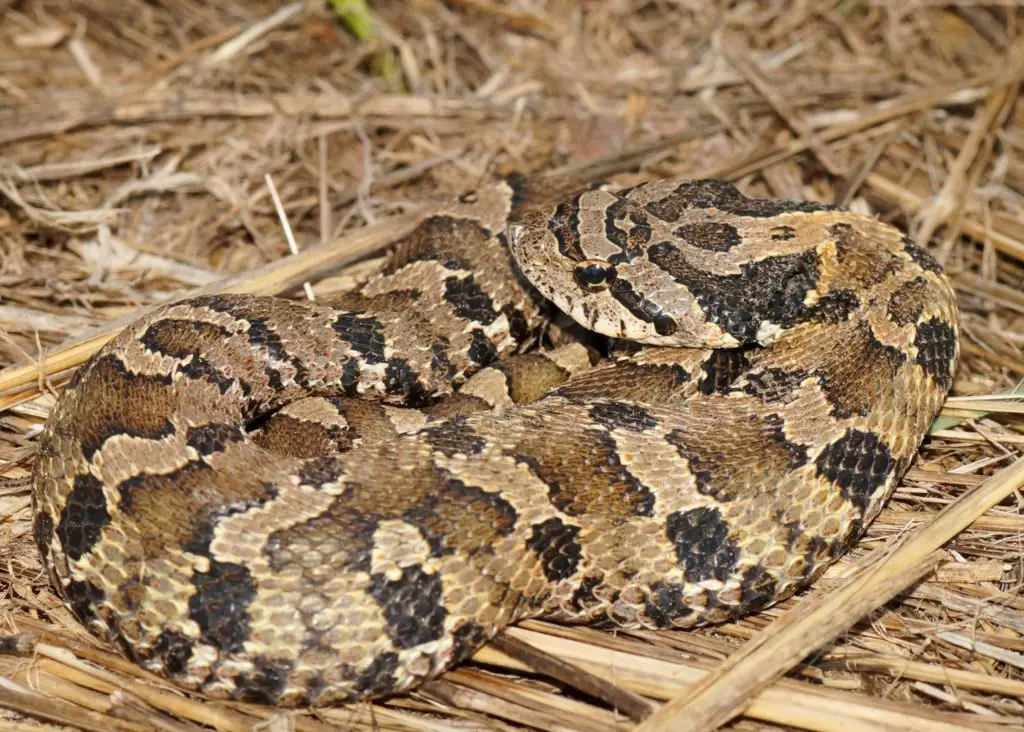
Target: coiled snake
{"type": "Point", "coordinates": [285, 503]}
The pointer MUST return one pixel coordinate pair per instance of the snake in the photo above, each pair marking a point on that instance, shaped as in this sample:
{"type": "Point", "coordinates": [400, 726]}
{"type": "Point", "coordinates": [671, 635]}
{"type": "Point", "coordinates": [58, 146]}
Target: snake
{"type": "Point", "coordinates": [656, 406]}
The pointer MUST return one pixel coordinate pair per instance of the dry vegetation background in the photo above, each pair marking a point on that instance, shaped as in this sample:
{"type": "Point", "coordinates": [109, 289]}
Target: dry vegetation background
{"type": "Point", "coordinates": [136, 141]}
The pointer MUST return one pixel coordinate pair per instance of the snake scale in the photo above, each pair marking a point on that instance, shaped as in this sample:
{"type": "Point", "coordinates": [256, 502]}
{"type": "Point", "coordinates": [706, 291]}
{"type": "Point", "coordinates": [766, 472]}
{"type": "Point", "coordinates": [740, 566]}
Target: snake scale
{"type": "Point", "coordinates": [295, 503]}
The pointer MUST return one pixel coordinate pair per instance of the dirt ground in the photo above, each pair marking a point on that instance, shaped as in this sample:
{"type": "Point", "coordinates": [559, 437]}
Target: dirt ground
{"type": "Point", "coordinates": [142, 144]}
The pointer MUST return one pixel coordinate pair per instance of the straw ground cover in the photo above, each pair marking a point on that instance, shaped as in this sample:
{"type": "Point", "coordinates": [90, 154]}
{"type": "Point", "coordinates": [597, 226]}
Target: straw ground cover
{"type": "Point", "coordinates": [149, 150]}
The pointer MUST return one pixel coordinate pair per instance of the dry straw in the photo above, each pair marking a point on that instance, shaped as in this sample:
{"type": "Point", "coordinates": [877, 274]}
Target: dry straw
{"type": "Point", "coordinates": [136, 143]}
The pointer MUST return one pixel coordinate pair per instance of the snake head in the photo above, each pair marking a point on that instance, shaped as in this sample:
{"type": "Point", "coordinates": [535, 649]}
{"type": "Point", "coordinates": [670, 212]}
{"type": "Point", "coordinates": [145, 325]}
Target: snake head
{"type": "Point", "coordinates": [610, 287]}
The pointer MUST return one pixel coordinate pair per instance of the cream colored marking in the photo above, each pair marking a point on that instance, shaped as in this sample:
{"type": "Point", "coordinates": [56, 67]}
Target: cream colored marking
{"type": "Point", "coordinates": [490, 206]}
{"type": "Point", "coordinates": [658, 465]}
{"type": "Point", "coordinates": [396, 546]}
{"type": "Point", "coordinates": [315, 409]}
{"type": "Point", "coordinates": [490, 386]}
{"type": "Point", "coordinates": [405, 420]}
{"type": "Point", "coordinates": [572, 357]}
{"type": "Point", "coordinates": [241, 537]}
{"type": "Point", "coordinates": [125, 456]}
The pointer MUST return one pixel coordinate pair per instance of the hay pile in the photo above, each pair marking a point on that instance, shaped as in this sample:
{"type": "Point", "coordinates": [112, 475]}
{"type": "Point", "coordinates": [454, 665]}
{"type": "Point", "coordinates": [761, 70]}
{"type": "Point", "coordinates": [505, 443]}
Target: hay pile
{"type": "Point", "coordinates": [138, 145]}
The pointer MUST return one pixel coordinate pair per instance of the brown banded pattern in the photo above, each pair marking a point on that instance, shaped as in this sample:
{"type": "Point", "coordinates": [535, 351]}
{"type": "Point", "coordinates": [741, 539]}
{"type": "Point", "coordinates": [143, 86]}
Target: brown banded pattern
{"type": "Point", "coordinates": [298, 504]}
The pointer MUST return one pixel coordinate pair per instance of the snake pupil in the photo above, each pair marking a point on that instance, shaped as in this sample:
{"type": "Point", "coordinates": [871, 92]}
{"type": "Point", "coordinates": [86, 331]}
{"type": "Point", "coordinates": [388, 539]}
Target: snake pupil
{"type": "Point", "coordinates": [594, 274]}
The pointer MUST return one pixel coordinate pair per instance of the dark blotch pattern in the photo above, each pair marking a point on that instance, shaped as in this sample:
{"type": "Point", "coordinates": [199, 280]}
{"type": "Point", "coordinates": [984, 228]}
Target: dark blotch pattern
{"type": "Point", "coordinates": [833, 307]}
{"type": "Point", "coordinates": [379, 676]}
{"type": "Point", "coordinates": [185, 340]}
{"type": "Point", "coordinates": [481, 350]}
{"type": "Point", "coordinates": [461, 517]}
{"type": "Point", "coordinates": [665, 604]}
{"type": "Point", "coordinates": [151, 483]}
{"type": "Point", "coordinates": [854, 384]}
{"type": "Point", "coordinates": [443, 239]}
{"type": "Point", "coordinates": [631, 381]}
{"type": "Point", "coordinates": [466, 638]}
{"type": "Point", "coordinates": [454, 436]}
{"type": "Point", "coordinates": [796, 453]}
{"type": "Point", "coordinates": [772, 289]}
{"type": "Point", "coordinates": [302, 545]}
{"type": "Point", "coordinates": [758, 589]}
{"type": "Point", "coordinates": [366, 335]}
{"type": "Point", "coordinates": [741, 459]}
{"type": "Point", "coordinates": [859, 463]}
{"type": "Point", "coordinates": [439, 361]}
{"type": "Point", "coordinates": [584, 596]}
{"type": "Point", "coordinates": [180, 338]}
{"type": "Point", "coordinates": [201, 535]}
{"type": "Point", "coordinates": [894, 356]}
{"type": "Point", "coordinates": [108, 387]}
{"type": "Point", "coordinates": [210, 438]}
{"type": "Point", "coordinates": [703, 547]}
{"type": "Point", "coordinates": [518, 325]}
{"type": "Point", "coordinates": [588, 479]}
{"type": "Point", "coordinates": [783, 233]}
{"type": "Point", "coordinates": [262, 336]}
{"type": "Point", "coordinates": [320, 471]}
{"type": "Point", "coordinates": [198, 367]}
{"type": "Point", "coordinates": [621, 415]}
{"type": "Point", "coordinates": [468, 300]}
{"type": "Point", "coordinates": [350, 375]}
{"type": "Point", "coordinates": [936, 350]}
{"type": "Point", "coordinates": [83, 518]}
{"type": "Point", "coordinates": [920, 255]}
{"type": "Point", "coordinates": [722, 368]}
{"type": "Point", "coordinates": [626, 225]}
{"type": "Point", "coordinates": [774, 386]}
{"type": "Point", "coordinates": [220, 606]}
{"type": "Point", "coordinates": [174, 649]}
{"type": "Point", "coordinates": [302, 438]}
{"type": "Point", "coordinates": [556, 545]}
{"type": "Point", "coordinates": [644, 309]}
{"type": "Point", "coordinates": [82, 597]}
{"type": "Point", "coordinates": [564, 226]}
{"type": "Point", "coordinates": [710, 235]}
{"type": "Point", "coordinates": [721, 196]}
{"type": "Point", "coordinates": [265, 683]}
{"type": "Point", "coordinates": [413, 606]}
{"type": "Point", "coordinates": [860, 261]}
{"type": "Point", "coordinates": [400, 379]}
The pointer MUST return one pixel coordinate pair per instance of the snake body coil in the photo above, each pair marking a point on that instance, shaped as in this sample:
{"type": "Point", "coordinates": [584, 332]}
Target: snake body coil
{"type": "Point", "coordinates": [304, 504]}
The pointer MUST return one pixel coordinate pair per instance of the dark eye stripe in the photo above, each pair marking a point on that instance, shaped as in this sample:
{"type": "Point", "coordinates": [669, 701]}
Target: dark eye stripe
{"type": "Point", "coordinates": [593, 275]}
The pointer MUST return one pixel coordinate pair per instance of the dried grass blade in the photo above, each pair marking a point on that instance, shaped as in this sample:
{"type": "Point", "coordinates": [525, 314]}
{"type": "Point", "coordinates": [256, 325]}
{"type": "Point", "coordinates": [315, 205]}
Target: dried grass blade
{"type": "Point", "coordinates": [778, 648]}
{"type": "Point", "coordinates": [786, 702]}
{"type": "Point", "coordinates": [272, 278]}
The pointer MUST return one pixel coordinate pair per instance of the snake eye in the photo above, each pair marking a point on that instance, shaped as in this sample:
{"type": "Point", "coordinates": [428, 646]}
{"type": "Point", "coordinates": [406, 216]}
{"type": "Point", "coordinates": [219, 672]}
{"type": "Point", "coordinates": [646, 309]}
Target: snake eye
{"type": "Point", "coordinates": [594, 274]}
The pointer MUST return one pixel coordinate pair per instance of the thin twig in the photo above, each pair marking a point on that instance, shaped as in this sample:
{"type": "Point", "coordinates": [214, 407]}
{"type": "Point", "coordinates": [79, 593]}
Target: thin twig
{"type": "Point", "coordinates": [635, 707]}
{"type": "Point", "coordinates": [293, 247]}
